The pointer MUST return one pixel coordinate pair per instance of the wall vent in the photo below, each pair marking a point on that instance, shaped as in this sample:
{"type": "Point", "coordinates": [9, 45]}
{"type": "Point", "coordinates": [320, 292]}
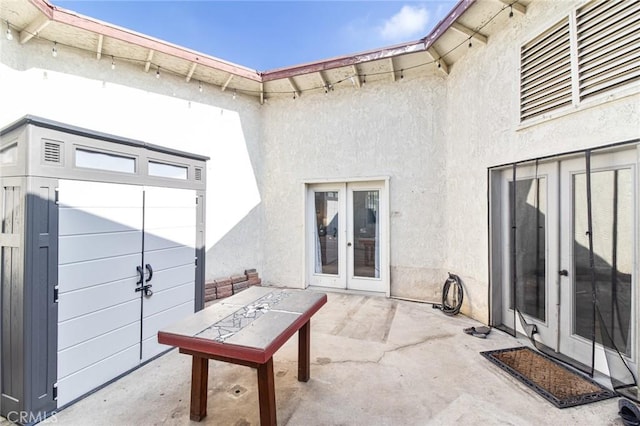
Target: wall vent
{"type": "Point", "coordinates": [608, 45]}
{"type": "Point", "coordinates": [198, 173]}
{"type": "Point", "coordinates": [545, 79]}
{"type": "Point", "coordinates": [52, 152]}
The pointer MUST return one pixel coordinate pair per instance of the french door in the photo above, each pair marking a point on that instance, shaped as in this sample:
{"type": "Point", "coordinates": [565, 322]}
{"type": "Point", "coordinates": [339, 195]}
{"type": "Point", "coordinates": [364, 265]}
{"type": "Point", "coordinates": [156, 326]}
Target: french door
{"type": "Point", "coordinates": [546, 260]}
{"type": "Point", "coordinates": [347, 236]}
{"type": "Point", "coordinates": [614, 231]}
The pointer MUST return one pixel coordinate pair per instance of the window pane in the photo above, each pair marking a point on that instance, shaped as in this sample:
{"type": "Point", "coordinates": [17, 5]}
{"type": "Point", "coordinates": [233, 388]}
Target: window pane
{"type": "Point", "coordinates": [9, 154]}
{"type": "Point", "coordinates": [530, 246]}
{"type": "Point", "coordinates": [326, 204]}
{"type": "Point", "coordinates": [104, 161]}
{"type": "Point", "coordinates": [366, 235]}
{"type": "Point", "coordinates": [167, 170]}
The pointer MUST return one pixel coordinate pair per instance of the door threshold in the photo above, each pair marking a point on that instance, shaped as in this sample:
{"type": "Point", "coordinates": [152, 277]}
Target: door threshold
{"type": "Point", "coordinates": [347, 291]}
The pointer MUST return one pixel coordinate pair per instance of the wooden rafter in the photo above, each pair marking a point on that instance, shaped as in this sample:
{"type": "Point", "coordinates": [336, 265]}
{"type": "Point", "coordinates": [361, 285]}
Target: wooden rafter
{"type": "Point", "coordinates": [33, 29]}
{"type": "Point", "coordinates": [292, 83]}
{"type": "Point", "coordinates": [476, 36]}
{"type": "Point", "coordinates": [192, 69]}
{"type": "Point", "coordinates": [440, 62]}
{"type": "Point", "coordinates": [147, 64]}
{"type": "Point", "coordinates": [226, 83]}
{"type": "Point", "coordinates": [99, 48]}
{"type": "Point", "coordinates": [323, 82]}
{"type": "Point", "coordinates": [520, 8]}
{"type": "Point", "coordinates": [393, 69]}
{"type": "Point", "coordinates": [356, 76]}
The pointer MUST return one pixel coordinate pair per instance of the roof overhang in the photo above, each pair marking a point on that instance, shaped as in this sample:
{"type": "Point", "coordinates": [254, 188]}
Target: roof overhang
{"type": "Point", "coordinates": [469, 23]}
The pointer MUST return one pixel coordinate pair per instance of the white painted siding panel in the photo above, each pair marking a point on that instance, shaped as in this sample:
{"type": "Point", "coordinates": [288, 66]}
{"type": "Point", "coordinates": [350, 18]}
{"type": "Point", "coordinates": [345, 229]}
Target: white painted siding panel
{"type": "Point", "coordinates": [74, 276]}
{"type": "Point", "coordinates": [79, 248]}
{"type": "Point", "coordinates": [167, 278]}
{"type": "Point", "coordinates": [94, 298]}
{"type": "Point", "coordinates": [169, 258]}
{"type": "Point", "coordinates": [90, 352]}
{"type": "Point", "coordinates": [74, 193]}
{"type": "Point", "coordinates": [79, 329]}
{"type": "Point", "coordinates": [165, 300]}
{"type": "Point", "coordinates": [76, 385]}
{"type": "Point", "coordinates": [158, 239]}
{"type": "Point", "coordinates": [74, 221]}
{"type": "Point", "coordinates": [150, 345]}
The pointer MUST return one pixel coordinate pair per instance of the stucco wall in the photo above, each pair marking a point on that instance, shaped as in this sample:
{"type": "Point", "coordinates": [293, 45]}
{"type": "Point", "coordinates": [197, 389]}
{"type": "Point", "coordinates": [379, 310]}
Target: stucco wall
{"type": "Point", "coordinates": [76, 88]}
{"type": "Point", "coordinates": [383, 129]}
{"type": "Point", "coordinates": [484, 130]}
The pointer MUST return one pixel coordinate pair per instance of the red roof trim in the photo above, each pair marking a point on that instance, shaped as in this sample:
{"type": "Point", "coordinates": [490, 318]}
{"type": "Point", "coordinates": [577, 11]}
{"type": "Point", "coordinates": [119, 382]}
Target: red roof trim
{"type": "Point", "coordinates": [414, 46]}
{"type": "Point", "coordinates": [66, 17]}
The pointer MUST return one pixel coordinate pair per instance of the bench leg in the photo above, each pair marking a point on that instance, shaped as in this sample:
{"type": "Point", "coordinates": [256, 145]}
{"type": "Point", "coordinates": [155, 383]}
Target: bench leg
{"type": "Point", "coordinates": [267, 394]}
{"type": "Point", "coordinates": [199, 378]}
{"type": "Point", "coordinates": [304, 352]}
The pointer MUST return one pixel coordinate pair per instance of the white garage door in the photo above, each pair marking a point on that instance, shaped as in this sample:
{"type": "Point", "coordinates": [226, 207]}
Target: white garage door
{"type": "Point", "coordinates": [113, 239]}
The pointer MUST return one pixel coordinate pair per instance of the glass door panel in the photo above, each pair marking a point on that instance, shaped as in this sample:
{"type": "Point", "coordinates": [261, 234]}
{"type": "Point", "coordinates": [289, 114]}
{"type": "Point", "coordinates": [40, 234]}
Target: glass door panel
{"type": "Point", "coordinates": [366, 249]}
{"type": "Point", "coordinates": [328, 238]}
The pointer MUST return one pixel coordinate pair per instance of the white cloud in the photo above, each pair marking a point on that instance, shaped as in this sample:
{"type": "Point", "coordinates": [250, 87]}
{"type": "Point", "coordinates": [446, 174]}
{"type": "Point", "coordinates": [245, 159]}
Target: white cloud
{"type": "Point", "coordinates": [408, 23]}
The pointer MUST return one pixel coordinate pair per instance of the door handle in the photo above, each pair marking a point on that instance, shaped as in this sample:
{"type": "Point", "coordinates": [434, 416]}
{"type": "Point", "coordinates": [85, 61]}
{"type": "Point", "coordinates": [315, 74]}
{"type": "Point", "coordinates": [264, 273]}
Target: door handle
{"type": "Point", "coordinates": [349, 244]}
{"type": "Point", "coordinates": [564, 273]}
{"type": "Point", "coordinates": [150, 269]}
{"type": "Point", "coordinates": [140, 274]}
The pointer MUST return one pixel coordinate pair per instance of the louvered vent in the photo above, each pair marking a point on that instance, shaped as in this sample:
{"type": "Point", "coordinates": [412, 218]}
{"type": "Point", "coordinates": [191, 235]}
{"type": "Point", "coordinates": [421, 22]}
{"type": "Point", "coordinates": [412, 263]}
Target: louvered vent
{"type": "Point", "coordinates": [198, 173]}
{"type": "Point", "coordinates": [545, 83]}
{"type": "Point", "coordinates": [52, 152]}
{"type": "Point", "coordinates": [608, 45]}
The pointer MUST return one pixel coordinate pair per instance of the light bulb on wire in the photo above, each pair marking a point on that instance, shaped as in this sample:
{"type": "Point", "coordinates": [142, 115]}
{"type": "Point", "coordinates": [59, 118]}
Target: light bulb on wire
{"type": "Point", "coordinates": [200, 86]}
{"type": "Point", "coordinates": [54, 51]}
{"type": "Point", "coordinates": [158, 72]}
{"type": "Point", "coordinates": [113, 63]}
{"type": "Point", "coordinates": [9, 33]}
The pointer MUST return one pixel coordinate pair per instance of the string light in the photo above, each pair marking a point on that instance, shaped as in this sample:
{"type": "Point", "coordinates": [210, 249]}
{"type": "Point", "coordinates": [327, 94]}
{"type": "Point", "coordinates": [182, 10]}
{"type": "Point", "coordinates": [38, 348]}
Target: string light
{"type": "Point", "coordinates": [9, 33]}
{"type": "Point", "coordinates": [330, 86]}
{"type": "Point", "coordinates": [113, 63]}
{"type": "Point", "coordinates": [294, 96]}
{"type": "Point", "coordinates": [200, 86]}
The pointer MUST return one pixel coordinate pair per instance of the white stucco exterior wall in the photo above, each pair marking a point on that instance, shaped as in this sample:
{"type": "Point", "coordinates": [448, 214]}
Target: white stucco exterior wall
{"type": "Point", "coordinates": [382, 129]}
{"type": "Point", "coordinates": [484, 130]}
{"type": "Point", "coordinates": [75, 88]}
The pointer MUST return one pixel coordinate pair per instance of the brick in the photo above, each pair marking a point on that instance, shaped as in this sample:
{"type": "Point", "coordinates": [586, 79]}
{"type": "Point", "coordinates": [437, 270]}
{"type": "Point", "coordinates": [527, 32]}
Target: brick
{"type": "Point", "coordinates": [255, 281]}
{"type": "Point", "coordinates": [210, 298]}
{"type": "Point", "coordinates": [250, 271]}
{"type": "Point", "coordinates": [221, 282]}
{"type": "Point", "coordinates": [252, 275]}
{"type": "Point", "coordinates": [238, 278]}
{"type": "Point", "coordinates": [224, 288]}
{"type": "Point", "coordinates": [224, 293]}
{"type": "Point", "coordinates": [240, 286]}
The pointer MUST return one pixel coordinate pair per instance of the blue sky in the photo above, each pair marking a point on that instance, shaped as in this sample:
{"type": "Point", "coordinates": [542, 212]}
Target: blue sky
{"type": "Point", "coordinates": [265, 35]}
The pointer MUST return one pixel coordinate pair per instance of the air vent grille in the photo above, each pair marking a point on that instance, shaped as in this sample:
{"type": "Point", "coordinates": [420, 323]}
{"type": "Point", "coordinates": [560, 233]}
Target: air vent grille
{"type": "Point", "coordinates": [198, 173]}
{"type": "Point", "coordinates": [52, 152]}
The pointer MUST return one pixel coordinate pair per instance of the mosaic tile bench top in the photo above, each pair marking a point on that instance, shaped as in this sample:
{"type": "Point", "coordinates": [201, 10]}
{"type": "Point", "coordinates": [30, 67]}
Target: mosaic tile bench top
{"type": "Point", "coordinates": [253, 318]}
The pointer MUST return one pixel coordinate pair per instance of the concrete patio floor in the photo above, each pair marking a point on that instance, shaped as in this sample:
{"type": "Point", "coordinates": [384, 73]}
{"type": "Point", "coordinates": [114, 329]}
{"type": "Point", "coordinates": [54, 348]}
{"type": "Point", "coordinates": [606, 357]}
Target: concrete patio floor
{"type": "Point", "coordinates": [375, 361]}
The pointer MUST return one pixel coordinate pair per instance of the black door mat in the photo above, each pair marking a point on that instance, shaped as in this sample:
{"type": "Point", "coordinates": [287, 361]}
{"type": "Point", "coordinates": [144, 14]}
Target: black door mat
{"type": "Point", "coordinates": [551, 380]}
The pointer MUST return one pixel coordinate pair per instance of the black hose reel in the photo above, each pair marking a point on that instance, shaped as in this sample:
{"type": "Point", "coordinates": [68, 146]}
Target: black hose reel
{"type": "Point", "coordinates": [453, 283]}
